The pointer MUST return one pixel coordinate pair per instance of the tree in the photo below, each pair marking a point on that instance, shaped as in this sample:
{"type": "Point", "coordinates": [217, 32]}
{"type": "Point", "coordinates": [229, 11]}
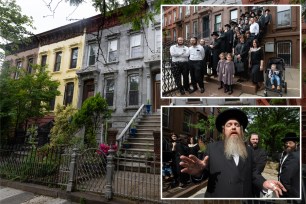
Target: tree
{"type": "Point", "coordinates": [13, 25]}
{"type": "Point", "coordinates": [24, 98]}
{"type": "Point", "coordinates": [92, 114]}
{"type": "Point", "coordinates": [272, 123]}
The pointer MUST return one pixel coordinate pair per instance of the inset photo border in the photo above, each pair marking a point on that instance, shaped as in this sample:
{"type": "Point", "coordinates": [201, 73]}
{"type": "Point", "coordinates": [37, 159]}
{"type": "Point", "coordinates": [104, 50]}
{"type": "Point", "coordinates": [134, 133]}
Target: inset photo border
{"type": "Point", "coordinates": [193, 37]}
{"type": "Point", "coordinates": [266, 152]}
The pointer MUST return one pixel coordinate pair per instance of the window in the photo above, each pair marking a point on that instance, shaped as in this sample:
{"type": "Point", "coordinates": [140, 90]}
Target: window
{"type": "Point", "coordinates": [169, 19]}
{"type": "Point", "coordinates": [283, 16]}
{"type": "Point", "coordinates": [157, 40]}
{"type": "Point", "coordinates": [165, 117]}
{"type": "Point", "coordinates": [186, 122]}
{"type": "Point", "coordinates": [206, 30]}
{"type": "Point", "coordinates": [91, 55]}
{"type": "Point", "coordinates": [174, 15]}
{"type": "Point", "coordinates": [166, 20]}
{"type": "Point", "coordinates": [136, 50]}
{"type": "Point", "coordinates": [18, 66]}
{"type": "Point", "coordinates": [74, 58]}
{"type": "Point", "coordinates": [52, 103]}
{"type": "Point", "coordinates": [174, 34]}
{"type": "Point", "coordinates": [234, 15]}
{"type": "Point", "coordinates": [187, 31]}
{"type": "Point", "coordinates": [30, 64]}
{"type": "Point", "coordinates": [195, 28]}
{"type": "Point", "coordinates": [43, 60]}
{"type": "Point", "coordinates": [181, 13]}
{"type": "Point", "coordinates": [187, 10]}
{"type": "Point", "coordinates": [217, 22]}
{"type": "Point", "coordinates": [58, 59]}
{"type": "Point", "coordinates": [133, 88]}
{"type": "Point", "coordinates": [284, 51]}
{"type": "Point", "coordinates": [112, 51]}
{"type": "Point", "coordinates": [109, 91]}
{"type": "Point", "coordinates": [195, 9]}
{"type": "Point", "coordinates": [68, 93]}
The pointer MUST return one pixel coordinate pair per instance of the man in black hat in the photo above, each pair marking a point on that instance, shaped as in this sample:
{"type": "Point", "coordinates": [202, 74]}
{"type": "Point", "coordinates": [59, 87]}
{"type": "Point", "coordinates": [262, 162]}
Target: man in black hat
{"type": "Point", "coordinates": [216, 50]}
{"type": "Point", "coordinates": [229, 36]}
{"type": "Point", "coordinates": [229, 165]}
{"type": "Point", "coordinates": [268, 19]}
{"type": "Point", "coordinates": [289, 166]}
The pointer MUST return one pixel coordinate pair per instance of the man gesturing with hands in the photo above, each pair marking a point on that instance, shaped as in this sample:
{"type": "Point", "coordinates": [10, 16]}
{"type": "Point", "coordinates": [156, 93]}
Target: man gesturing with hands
{"type": "Point", "coordinates": [228, 165]}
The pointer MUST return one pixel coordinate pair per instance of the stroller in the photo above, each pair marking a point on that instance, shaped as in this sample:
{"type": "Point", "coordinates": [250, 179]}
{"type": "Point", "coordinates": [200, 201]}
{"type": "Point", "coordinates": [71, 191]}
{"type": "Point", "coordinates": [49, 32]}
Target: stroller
{"type": "Point", "coordinates": [280, 66]}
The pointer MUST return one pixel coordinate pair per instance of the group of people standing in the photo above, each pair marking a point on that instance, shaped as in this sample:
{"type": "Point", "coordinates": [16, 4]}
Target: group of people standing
{"type": "Point", "coordinates": [234, 51]}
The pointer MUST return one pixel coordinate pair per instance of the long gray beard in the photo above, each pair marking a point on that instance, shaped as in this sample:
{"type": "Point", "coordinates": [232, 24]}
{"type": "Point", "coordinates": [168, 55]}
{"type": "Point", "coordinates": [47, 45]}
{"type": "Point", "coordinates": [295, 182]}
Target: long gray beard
{"type": "Point", "coordinates": [234, 145]}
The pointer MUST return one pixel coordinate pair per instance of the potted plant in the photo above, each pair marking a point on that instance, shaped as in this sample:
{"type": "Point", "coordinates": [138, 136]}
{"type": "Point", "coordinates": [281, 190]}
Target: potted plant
{"type": "Point", "coordinates": [126, 144]}
{"type": "Point", "coordinates": [148, 106]}
{"type": "Point", "coordinates": [133, 129]}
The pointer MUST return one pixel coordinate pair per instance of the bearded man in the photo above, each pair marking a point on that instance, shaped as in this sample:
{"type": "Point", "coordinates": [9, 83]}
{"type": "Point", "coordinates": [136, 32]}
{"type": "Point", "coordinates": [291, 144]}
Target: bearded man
{"type": "Point", "coordinates": [229, 165]}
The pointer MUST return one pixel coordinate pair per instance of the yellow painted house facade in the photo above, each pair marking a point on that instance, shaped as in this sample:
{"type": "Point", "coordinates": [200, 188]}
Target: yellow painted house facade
{"type": "Point", "coordinates": [62, 58]}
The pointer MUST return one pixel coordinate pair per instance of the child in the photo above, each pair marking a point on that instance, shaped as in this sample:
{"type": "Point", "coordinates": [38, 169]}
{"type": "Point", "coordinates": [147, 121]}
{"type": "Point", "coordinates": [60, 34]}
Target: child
{"type": "Point", "coordinates": [228, 74]}
{"type": "Point", "coordinates": [167, 171]}
{"type": "Point", "coordinates": [274, 75]}
{"type": "Point", "coordinates": [220, 68]}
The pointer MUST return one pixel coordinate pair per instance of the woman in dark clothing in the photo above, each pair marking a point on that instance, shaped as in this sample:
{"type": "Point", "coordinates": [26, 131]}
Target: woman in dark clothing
{"type": "Point", "coordinates": [256, 65]}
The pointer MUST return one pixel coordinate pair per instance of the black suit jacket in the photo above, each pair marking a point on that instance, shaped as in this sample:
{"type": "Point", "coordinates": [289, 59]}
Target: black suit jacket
{"type": "Point", "coordinates": [225, 179]}
{"type": "Point", "coordinates": [260, 158]}
{"type": "Point", "coordinates": [290, 175]}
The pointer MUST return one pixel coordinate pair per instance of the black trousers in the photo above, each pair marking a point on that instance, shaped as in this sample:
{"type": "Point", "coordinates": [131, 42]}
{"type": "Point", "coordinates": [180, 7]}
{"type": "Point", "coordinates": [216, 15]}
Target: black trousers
{"type": "Point", "coordinates": [196, 73]}
{"type": "Point", "coordinates": [178, 69]}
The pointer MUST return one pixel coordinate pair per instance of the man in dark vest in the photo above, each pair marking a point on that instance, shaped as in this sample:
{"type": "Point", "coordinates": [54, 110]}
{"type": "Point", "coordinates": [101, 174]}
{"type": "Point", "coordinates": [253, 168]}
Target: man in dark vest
{"type": "Point", "coordinates": [229, 165]}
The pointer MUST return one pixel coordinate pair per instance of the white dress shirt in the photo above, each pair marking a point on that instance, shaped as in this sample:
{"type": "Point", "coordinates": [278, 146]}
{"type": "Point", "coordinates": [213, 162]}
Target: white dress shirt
{"type": "Point", "coordinates": [254, 28]}
{"type": "Point", "coordinates": [196, 53]}
{"type": "Point", "coordinates": [179, 53]}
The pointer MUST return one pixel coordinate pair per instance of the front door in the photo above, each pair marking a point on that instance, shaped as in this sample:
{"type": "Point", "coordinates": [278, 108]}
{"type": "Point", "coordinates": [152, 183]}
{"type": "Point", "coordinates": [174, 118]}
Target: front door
{"type": "Point", "coordinates": [158, 101]}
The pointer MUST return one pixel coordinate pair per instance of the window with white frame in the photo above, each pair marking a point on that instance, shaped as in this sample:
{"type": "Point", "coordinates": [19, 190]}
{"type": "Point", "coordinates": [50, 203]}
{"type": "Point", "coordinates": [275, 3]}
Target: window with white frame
{"type": "Point", "coordinates": [181, 12]}
{"type": "Point", "coordinates": [43, 60]}
{"type": "Point", "coordinates": [109, 91]}
{"type": "Point", "coordinates": [133, 90]}
{"type": "Point", "coordinates": [283, 16]}
{"type": "Point", "coordinates": [91, 54]}
{"type": "Point", "coordinates": [195, 9]}
{"type": "Point", "coordinates": [284, 51]}
{"type": "Point", "coordinates": [187, 10]}
{"type": "Point", "coordinates": [18, 66]}
{"type": "Point", "coordinates": [234, 15]}
{"type": "Point", "coordinates": [217, 22]}
{"type": "Point", "coordinates": [135, 46]}
{"type": "Point", "coordinates": [157, 40]}
{"type": "Point", "coordinates": [58, 59]}
{"type": "Point", "coordinates": [187, 28]}
{"type": "Point", "coordinates": [195, 28]}
{"type": "Point", "coordinates": [112, 51]}
{"type": "Point", "coordinates": [74, 57]}
{"type": "Point", "coordinates": [169, 19]}
{"type": "Point", "coordinates": [174, 15]}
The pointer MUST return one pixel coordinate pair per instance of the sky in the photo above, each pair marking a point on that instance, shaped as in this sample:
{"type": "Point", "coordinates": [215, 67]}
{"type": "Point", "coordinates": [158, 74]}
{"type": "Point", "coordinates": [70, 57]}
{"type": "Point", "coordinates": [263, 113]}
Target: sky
{"type": "Point", "coordinates": [44, 19]}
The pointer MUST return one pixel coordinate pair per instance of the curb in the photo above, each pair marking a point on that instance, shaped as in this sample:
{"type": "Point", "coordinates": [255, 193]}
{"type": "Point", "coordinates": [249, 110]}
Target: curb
{"type": "Point", "coordinates": [76, 197]}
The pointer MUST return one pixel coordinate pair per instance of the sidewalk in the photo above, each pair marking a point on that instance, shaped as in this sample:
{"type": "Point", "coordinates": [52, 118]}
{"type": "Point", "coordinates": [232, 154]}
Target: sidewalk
{"type": "Point", "coordinates": [23, 192]}
{"type": "Point", "coordinates": [292, 77]}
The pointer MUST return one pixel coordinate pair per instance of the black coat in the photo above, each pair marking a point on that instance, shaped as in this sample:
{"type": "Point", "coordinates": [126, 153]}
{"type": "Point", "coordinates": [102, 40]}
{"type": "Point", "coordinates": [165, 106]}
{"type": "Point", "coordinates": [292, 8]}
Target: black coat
{"type": "Point", "coordinates": [260, 158]}
{"type": "Point", "coordinates": [290, 175]}
{"type": "Point", "coordinates": [225, 179]}
{"type": "Point", "coordinates": [216, 50]}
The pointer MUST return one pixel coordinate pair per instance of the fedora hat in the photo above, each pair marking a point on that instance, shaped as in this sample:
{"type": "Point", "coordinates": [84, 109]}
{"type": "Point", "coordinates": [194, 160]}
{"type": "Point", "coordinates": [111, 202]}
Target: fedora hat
{"type": "Point", "coordinates": [215, 33]}
{"type": "Point", "coordinates": [267, 10]}
{"type": "Point", "coordinates": [290, 136]}
{"type": "Point", "coordinates": [232, 113]}
{"type": "Point", "coordinates": [227, 25]}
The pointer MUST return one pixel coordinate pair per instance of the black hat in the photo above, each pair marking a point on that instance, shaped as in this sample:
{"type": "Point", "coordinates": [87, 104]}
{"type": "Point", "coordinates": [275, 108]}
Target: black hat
{"type": "Point", "coordinates": [247, 13]}
{"type": "Point", "coordinates": [267, 10]}
{"type": "Point", "coordinates": [233, 23]}
{"type": "Point", "coordinates": [232, 113]}
{"type": "Point", "coordinates": [227, 25]}
{"type": "Point", "coordinates": [242, 15]}
{"type": "Point", "coordinates": [215, 33]}
{"type": "Point", "coordinates": [290, 136]}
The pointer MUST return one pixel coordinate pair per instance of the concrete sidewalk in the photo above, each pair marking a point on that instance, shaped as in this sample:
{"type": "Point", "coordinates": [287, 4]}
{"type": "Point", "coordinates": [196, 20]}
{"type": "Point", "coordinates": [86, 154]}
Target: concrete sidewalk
{"type": "Point", "coordinates": [11, 191]}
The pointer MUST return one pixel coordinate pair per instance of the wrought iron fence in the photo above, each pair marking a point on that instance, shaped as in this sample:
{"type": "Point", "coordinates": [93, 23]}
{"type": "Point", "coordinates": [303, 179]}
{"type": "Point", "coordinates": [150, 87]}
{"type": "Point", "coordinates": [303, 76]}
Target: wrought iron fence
{"type": "Point", "coordinates": [91, 170]}
{"type": "Point", "coordinates": [31, 164]}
